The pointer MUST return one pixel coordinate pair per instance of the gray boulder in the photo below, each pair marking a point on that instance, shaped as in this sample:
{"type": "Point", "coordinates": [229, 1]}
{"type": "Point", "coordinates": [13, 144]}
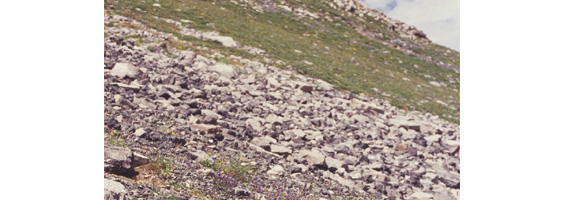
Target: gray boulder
{"type": "Point", "coordinates": [118, 160]}
{"type": "Point", "coordinates": [312, 157]}
{"type": "Point", "coordinates": [115, 191]}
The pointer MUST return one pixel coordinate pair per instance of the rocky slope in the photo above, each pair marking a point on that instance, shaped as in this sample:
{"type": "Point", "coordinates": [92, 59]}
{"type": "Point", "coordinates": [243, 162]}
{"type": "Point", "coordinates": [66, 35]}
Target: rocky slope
{"type": "Point", "coordinates": [178, 123]}
{"type": "Point", "coordinates": [339, 41]}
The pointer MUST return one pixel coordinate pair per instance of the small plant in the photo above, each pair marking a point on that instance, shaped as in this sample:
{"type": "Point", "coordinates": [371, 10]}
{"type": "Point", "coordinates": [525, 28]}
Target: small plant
{"type": "Point", "coordinates": [279, 192]}
{"type": "Point", "coordinates": [208, 164]}
{"type": "Point", "coordinates": [161, 167]}
{"type": "Point", "coordinates": [224, 184]}
{"type": "Point", "coordinates": [227, 174]}
{"type": "Point", "coordinates": [114, 139]}
{"type": "Point", "coordinates": [233, 167]}
{"type": "Point", "coordinates": [177, 185]}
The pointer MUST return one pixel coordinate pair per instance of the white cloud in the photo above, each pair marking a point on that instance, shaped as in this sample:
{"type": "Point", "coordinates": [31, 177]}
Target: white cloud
{"type": "Point", "coordinates": [439, 19]}
{"type": "Point", "coordinates": [380, 5]}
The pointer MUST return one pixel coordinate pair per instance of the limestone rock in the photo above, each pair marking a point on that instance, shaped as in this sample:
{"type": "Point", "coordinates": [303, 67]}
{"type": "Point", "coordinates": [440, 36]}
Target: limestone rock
{"type": "Point", "coordinates": [276, 170]}
{"type": "Point", "coordinates": [421, 196]}
{"type": "Point", "coordinates": [334, 164]}
{"type": "Point", "coordinates": [312, 157]}
{"type": "Point", "coordinates": [280, 149]}
{"type": "Point", "coordinates": [122, 70]}
{"type": "Point", "coordinates": [432, 138]}
{"type": "Point", "coordinates": [226, 41]}
{"type": "Point", "coordinates": [223, 69]}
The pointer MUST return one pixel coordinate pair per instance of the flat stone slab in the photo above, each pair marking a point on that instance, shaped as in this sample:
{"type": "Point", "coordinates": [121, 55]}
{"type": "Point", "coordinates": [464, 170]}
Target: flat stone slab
{"type": "Point", "coordinates": [406, 124]}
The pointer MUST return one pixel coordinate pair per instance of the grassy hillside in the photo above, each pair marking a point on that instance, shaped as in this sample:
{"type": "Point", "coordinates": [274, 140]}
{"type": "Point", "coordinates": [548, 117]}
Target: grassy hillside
{"type": "Point", "coordinates": [337, 52]}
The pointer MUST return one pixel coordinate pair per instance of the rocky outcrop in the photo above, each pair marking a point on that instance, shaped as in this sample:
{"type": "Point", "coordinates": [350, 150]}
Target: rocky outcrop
{"type": "Point", "coordinates": [361, 10]}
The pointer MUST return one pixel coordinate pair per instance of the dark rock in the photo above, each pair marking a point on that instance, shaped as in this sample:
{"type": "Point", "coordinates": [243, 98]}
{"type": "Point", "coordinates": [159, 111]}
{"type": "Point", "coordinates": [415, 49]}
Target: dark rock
{"type": "Point", "coordinates": [139, 159]}
{"type": "Point", "coordinates": [118, 160]}
{"type": "Point", "coordinates": [316, 122]}
{"type": "Point", "coordinates": [113, 124]}
{"type": "Point", "coordinates": [164, 94]}
{"type": "Point", "coordinates": [307, 88]}
{"type": "Point", "coordinates": [241, 192]}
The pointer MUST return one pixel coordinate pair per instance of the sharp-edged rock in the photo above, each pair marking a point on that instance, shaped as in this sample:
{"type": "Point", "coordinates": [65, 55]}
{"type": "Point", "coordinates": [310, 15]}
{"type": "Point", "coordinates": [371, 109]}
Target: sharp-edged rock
{"type": "Point", "coordinates": [118, 160]}
{"type": "Point", "coordinates": [122, 70]}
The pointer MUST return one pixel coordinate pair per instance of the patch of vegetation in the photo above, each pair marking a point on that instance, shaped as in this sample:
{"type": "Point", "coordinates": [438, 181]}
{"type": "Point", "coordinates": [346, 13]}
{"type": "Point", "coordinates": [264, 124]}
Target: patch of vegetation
{"type": "Point", "coordinates": [177, 185]}
{"type": "Point", "coordinates": [114, 138]}
{"type": "Point", "coordinates": [161, 166]}
{"type": "Point", "coordinates": [232, 166]}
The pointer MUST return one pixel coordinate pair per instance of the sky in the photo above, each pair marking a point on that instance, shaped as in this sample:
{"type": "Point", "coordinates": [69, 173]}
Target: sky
{"type": "Point", "coordinates": [439, 19]}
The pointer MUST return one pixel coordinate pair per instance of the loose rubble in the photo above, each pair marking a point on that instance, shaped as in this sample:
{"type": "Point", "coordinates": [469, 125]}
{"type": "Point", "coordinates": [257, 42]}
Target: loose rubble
{"type": "Point", "coordinates": [184, 107]}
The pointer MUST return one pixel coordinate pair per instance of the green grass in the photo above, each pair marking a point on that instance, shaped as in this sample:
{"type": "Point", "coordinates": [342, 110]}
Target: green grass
{"type": "Point", "coordinates": [177, 185]}
{"type": "Point", "coordinates": [280, 35]}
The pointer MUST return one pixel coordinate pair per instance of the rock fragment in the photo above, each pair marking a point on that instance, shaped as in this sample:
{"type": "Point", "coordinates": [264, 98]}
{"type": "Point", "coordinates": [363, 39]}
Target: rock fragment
{"type": "Point", "coordinates": [122, 70]}
{"type": "Point", "coordinates": [115, 191]}
{"type": "Point", "coordinates": [118, 160]}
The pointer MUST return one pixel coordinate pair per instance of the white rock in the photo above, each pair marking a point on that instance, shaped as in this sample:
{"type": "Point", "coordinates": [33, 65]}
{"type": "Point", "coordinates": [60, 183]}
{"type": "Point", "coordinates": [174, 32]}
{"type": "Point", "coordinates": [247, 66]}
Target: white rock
{"type": "Point", "coordinates": [225, 40]}
{"type": "Point", "coordinates": [139, 132]}
{"type": "Point", "coordinates": [272, 82]}
{"type": "Point", "coordinates": [434, 83]}
{"type": "Point", "coordinates": [334, 163]}
{"type": "Point", "coordinates": [323, 85]}
{"type": "Point", "coordinates": [297, 132]}
{"type": "Point", "coordinates": [314, 135]}
{"type": "Point", "coordinates": [210, 113]}
{"type": "Point", "coordinates": [223, 69]}
{"type": "Point", "coordinates": [280, 149]}
{"type": "Point", "coordinates": [122, 70]}
{"type": "Point", "coordinates": [263, 141]}
{"type": "Point", "coordinates": [276, 170]}
{"type": "Point", "coordinates": [114, 190]}
{"type": "Point", "coordinates": [354, 175]}
{"type": "Point", "coordinates": [254, 124]}
{"type": "Point", "coordinates": [432, 138]}
{"type": "Point", "coordinates": [421, 195]}
{"type": "Point", "coordinates": [313, 157]}
{"type": "Point", "coordinates": [340, 171]}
